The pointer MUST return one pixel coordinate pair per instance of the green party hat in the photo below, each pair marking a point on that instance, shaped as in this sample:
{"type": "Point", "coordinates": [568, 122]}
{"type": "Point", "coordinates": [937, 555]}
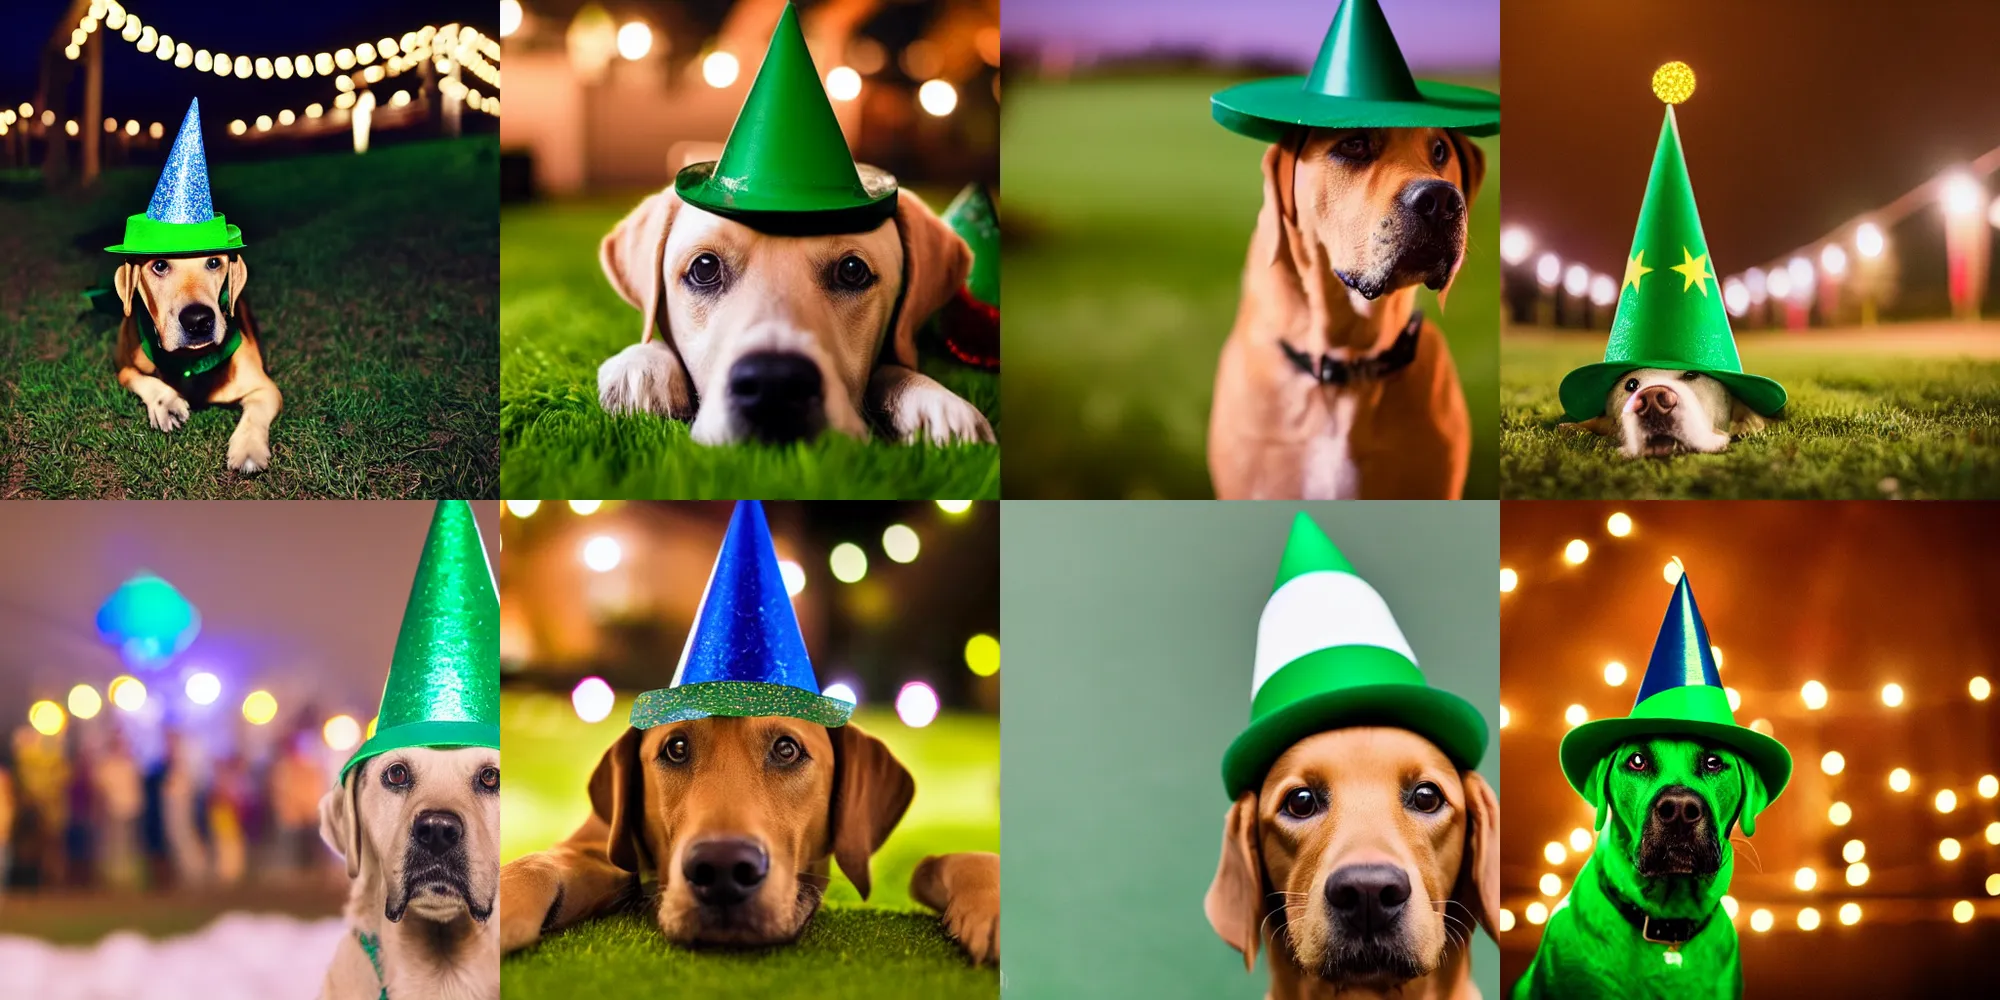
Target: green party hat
{"type": "Point", "coordinates": [181, 220]}
{"type": "Point", "coordinates": [786, 168]}
{"type": "Point", "coordinates": [1330, 656]}
{"type": "Point", "coordinates": [972, 217]}
{"type": "Point", "coordinates": [1670, 311]}
{"type": "Point", "coordinates": [1359, 80]}
{"type": "Point", "coordinates": [444, 682]}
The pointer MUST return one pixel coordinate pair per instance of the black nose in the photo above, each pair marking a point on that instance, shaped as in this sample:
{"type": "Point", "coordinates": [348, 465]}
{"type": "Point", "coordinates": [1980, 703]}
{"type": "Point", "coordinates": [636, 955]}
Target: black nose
{"type": "Point", "coordinates": [198, 322]}
{"type": "Point", "coordinates": [778, 394]}
{"type": "Point", "coordinates": [1435, 202]}
{"type": "Point", "coordinates": [722, 872]}
{"type": "Point", "coordinates": [437, 831]}
{"type": "Point", "coordinates": [1367, 898]}
{"type": "Point", "coordinates": [1678, 805]}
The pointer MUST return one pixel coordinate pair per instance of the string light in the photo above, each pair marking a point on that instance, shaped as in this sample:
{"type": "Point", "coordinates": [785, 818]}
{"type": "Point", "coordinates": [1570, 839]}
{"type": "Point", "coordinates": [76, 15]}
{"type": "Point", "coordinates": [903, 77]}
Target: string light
{"type": "Point", "coordinates": [1614, 673]}
{"type": "Point", "coordinates": [1853, 850]}
{"type": "Point", "coordinates": [1554, 853]}
{"type": "Point", "coordinates": [1833, 762]}
{"type": "Point", "coordinates": [1961, 911]}
{"type": "Point", "coordinates": [1576, 715]}
{"type": "Point", "coordinates": [47, 717]}
{"type": "Point", "coordinates": [1508, 580]}
{"type": "Point", "coordinates": [1946, 801]}
{"type": "Point", "coordinates": [1761, 921]}
{"type": "Point", "coordinates": [1730, 906]}
{"type": "Point", "coordinates": [1506, 920]}
{"type": "Point", "coordinates": [1850, 913]}
{"type": "Point", "coordinates": [1892, 695]}
{"type": "Point", "coordinates": [1505, 717]}
{"type": "Point", "coordinates": [1619, 524]}
{"type": "Point", "coordinates": [1537, 913]}
{"type": "Point", "coordinates": [1839, 814]}
{"type": "Point", "coordinates": [1979, 687]}
{"type": "Point", "coordinates": [1579, 840]}
{"type": "Point", "coordinates": [1899, 780]}
{"type": "Point", "coordinates": [1808, 919]}
{"type": "Point", "coordinates": [1576, 552]}
{"type": "Point", "coordinates": [1948, 849]}
{"type": "Point", "coordinates": [954, 507]}
{"type": "Point", "coordinates": [1804, 879]}
{"type": "Point", "coordinates": [1857, 874]}
{"type": "Point", "coordinates": [1551, 884]}
{"type": "Point", "coordinates": [794, 576]}
{"type": "Point", "coordinates": [1989, 786]}
{"type": "Point", "coordinates": [1814, 694]}
{"type": "Point", "coordinates": [84, 702]}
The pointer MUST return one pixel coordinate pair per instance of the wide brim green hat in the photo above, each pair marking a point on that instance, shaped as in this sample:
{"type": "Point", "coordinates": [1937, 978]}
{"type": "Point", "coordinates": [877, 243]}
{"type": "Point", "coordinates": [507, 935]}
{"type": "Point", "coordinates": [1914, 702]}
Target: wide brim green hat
{"type": "Point", "coordinates": [1359, 80]}
{"type": "Point", "coordinates": [1584, 390]}
{"type": "Point", "coordinates": [150, 238]}
{"type": "Point", "coordinates": [1330, 656]}
{"type": "Point", "coordinates": [786, 168]}
{"type": "Point", "coordinates": [181, 220]}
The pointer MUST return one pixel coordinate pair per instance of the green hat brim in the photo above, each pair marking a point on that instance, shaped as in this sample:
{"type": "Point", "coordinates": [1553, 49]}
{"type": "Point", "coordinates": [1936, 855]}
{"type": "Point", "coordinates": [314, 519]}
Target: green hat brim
{"type": "Point", "coordinates": [740, 699]}
{"type": "Point", "coordinates": [436, 733]}
{"type": "Point", "coordinates": [1583, 390]}
{"type": "Point", "coordinates": [146, 237]}
{"type": "Point", "coordinates": [1268, 109]}
{"type": "Point", "coordinates": [1439, 716]}
{"type": "Point", "coordinates": [793, 211]}
{"type": "Point", "coordinates": [1589, 743]}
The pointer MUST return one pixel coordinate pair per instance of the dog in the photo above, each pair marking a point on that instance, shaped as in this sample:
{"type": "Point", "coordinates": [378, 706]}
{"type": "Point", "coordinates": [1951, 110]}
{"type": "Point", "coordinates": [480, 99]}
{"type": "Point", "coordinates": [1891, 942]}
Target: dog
{"type": "Point", "coordinates": [729, 824]}
{"type": "Point", "coordinates": [1330, 384]}
{"type": "Point", "coordinates": [1641, 919]}
{"type": "Point", "coordinates": [778, 338]}
{"type": "Point", "coordinates": [183, 297]}
{"type": "Point", "coordinates": [1660, 412]}
{"type": "Point", "coordinates": [420, 830]}
{"type": "Point", "coordinates": [1350, 859]}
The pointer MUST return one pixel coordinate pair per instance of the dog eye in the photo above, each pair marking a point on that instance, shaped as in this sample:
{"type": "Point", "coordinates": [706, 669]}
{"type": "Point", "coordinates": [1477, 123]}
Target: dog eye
{"type": "Point", "coordinates": [1440, 152]}
{"type": "Point", "coordinates": [1711, 763]}
{"type": "Point", "coordinates": [489, 779]}
{"type": "Point", "coordinates": [1631, 385]}
{"type": "Point", "coordinates": [396, 776]}
{"type": "Point", "coordinates": [853, 273]}
{"type": "Point", "coordinates": [1354, 147]}
{"type": "Point", "coordinates": [1637, 761]}
{"type": "Point", "coordinates": [676, 750]}
{"type": "Point", "coordinates": [787, 751]}
{"type": "Point", "coordinates": [1426, 798]}
{"type": "Point", "coordinates": [215, 263]}
{"type": "Point", "coordinates": [1301, 803]}
{"type": "Point", "coordinates": [160, 266]}
{"type": "Point", "coordinates": [705, 270]}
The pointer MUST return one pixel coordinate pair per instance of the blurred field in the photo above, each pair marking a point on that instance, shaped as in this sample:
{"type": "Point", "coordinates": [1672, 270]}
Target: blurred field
{"type": "Point", "coordinates": [560, 319]}
{"type": "Point", "coordinates": [1127, 218]}
{"type": "Point", "coordinates": [886, 947]}
{"type": "Point", "coordinates": [1910, 411]}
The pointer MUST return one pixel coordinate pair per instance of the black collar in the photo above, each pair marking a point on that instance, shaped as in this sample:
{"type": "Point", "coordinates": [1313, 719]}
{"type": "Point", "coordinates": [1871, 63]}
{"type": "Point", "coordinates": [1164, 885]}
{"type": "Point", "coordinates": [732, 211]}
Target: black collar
{"type": "Point", "coordinates": [1660, 930]}
{"type": "Point", "coordinates": [1329, 370]}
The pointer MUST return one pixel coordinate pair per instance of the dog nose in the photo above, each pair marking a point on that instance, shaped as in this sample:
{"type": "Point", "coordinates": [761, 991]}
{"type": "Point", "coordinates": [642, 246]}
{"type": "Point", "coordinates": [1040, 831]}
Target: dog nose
{"type": "Point", "coordinates": [1678, 805]}
{"type": "Point", "coordinates": [1655, 398]}
{"type": "Point", "coordinates": [1367, 898]}
{"type": "Point", "coordinates": [722, 872]}
{"type": "Point", "coordinates": [1435, 202]}
{"type": "Point", "coordinates": [778, 392]}
{"type": "Point", "coordinates": [198, 322]}
{"type": "Point", "coordinates": [437, 831]}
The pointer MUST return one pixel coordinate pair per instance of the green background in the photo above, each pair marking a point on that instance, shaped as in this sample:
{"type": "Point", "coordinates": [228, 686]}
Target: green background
{"type": "Point", "coordinates": [1131, 629]}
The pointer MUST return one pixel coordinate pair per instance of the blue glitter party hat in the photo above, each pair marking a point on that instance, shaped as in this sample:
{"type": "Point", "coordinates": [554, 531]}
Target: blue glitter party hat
{"type": "Point", "coordinates": [744, 655]}
{"type": "Point", "coordinates": [181, 219]}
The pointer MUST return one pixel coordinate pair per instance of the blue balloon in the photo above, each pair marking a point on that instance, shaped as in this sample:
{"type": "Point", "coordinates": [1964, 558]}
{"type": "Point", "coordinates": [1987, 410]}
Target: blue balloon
{"type": "Point", "coordinates": [147, 620]}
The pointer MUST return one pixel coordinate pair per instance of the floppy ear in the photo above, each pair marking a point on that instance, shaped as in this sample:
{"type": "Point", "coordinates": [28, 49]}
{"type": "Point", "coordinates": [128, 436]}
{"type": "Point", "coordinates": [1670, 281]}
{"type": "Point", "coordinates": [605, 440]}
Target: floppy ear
{"type": "Point", "coordinates": [936, 262]}
{"type": "Point", "coordinates": [1600, 425]}
{"type": "Point", "coordinates": [1598, 791]}
{"type": "Point", "coordinates": [617, 796]}
{"type": "Point", "coordinates": [1755, 798]}
{"type": "Point", "coordinates": [1478, 888]}
{"type": "Point", "coordinates": [871, 791]}
{"type": "Point", "coordinates": [1742, 419]}
{"type": "Point", "coordinates": [1281, 165]}
{"type": "Point", "coordinates": [1235, 902]}
{"type": "Point", "coordinates": [1471, 165]}
{"type": "Point", "coordinates": [340, 816]}
{"type": "Point", "coordinates": [239, 275]}
{"type": "Point", "coordinates": [633, 254]}
{"type": "Point", "coordinates": [126, 280]}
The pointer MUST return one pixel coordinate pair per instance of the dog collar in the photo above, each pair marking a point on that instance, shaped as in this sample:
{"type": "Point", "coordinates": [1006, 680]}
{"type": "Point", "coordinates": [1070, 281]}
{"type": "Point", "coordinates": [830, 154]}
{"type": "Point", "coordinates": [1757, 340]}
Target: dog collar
{"type": "Point", "coordinates": [372, 946]}
{"type": "Point", "coordinates": [1659, 930]}
{"type": "Point", "coordinates": [1329, 370]}
{"type": "Point", "coordinates": [186, 363]}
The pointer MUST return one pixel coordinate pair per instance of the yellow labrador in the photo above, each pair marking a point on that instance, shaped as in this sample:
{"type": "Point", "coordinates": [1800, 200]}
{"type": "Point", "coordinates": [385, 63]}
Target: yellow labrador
{"type": "Point", "coordinates": [1660, 412]}
{"type": "Point", "coordinates": [778, 338]}
{"type": "Point", "coordinates": [183, 297]}
{"type": "Point", "coordinates": [420, 831]}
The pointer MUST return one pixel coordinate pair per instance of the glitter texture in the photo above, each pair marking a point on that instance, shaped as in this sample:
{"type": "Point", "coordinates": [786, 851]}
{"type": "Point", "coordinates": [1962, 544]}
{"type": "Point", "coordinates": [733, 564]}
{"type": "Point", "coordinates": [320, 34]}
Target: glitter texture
{"type": "Point", "coordinates": [182, 195]}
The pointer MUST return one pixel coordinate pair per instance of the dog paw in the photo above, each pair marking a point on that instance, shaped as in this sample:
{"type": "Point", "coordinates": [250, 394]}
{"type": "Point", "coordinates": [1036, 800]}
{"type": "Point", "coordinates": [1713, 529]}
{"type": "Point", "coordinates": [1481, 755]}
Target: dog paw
{"type": "Point", "coordinates": [168, 413]}
{"type": "Point", "coordinates": [644, 378]}
{"type": "Point", "coordinates": [249, 452]}
{"type": "Point", "coordinates": [934, 413]}
{"type": "Point", "coordinates": [965, 890]}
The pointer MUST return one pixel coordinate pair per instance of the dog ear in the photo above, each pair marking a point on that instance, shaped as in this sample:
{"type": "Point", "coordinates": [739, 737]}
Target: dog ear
{"type": "Point", "coordinates": [617, 796]}
{"type": "Point", "coordinates": [1235, 901]}
{"type": "Point", "coordinates": [1742, 419]}
{"type": "Point", "coordinates": [936, 262]}
{"type": "Point", "coordinates": [1598, 791]}
{"type": "Point", "coordinates": [239, 275]}
{"type": "Point", "coordinates": [1755, 798]}
{"type": "Point", "coordinates": [1600, 425]}
{"type": "Point", "coordinates": [633, 254]}
{"type": "Point", "coordinates": [1471, 165]}
{"type": "Point", "coordinates": [1478, 888]}
{"type": "Point", "coordinates": [871, 791]}
{"type": "Point", "coordinates": [1281, 167]}
{"type": "Point", "coordinates": [126, 280]}
{"type": "Point", "coordinates": [340, 818]}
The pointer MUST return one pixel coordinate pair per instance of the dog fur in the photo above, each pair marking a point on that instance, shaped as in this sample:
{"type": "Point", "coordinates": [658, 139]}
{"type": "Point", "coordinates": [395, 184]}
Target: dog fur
{"type": "Point", "coordinates": [1661, 412]}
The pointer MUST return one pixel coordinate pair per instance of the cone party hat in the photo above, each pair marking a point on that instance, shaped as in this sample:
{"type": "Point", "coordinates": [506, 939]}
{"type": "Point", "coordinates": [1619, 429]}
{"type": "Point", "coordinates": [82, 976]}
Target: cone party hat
{"type": "Point", "coordinates": [1360, 80]}
{"type": "Point", "coordinates": [1329, 656]}
{"type": "Point", "coordinates": [786, 168]}
{"type": "Point", "coordinates": [744, 654]}
{"type": "Point", "coordinates": [1670, 310]}
{"type": "Point", "coordinates": [444, 682]}
{"type": "Point", "coordinates": [181, 220]}
{"type": "Point", "coordinates": [1681, 695]}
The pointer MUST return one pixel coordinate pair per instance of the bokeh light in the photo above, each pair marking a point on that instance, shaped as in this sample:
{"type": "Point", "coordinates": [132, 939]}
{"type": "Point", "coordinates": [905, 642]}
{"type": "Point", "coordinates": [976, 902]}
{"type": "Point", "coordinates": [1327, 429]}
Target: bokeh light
{"type": "Point", "coordinates": [1949, 849]}
{"type": "Point", "coordinates": [1961, 911]}
{"type": "Point", "coordinates": [1576, 715]}
{"type": "Point", "coordinates": [1814, 694]}
{"type": "Point", "coordinates": [1989, 786]}
{"type": "Point", "coordinates": [1508, 580]}
{"type": "Point", "coordinates": [843, 691]}
{"type": "Point", "coordinates": [900, 543]}
{"type": "Point", "coordinates": [1672, 572]}
{"type": "Point", "coordinates": [1761, 921]}
{"type": "Point", "coordinates": [1730, 906]}
{"type": "Point", "coordinates": [1892, 695]}
{"type": "Point", "coordinates": [1833, 762]}
{"type": "Point", "coordinates": [1735, 698]}
{"type": "Point", "coordinates": [341, 732]}
{"type": "Point", "coordinates": [1673, 82]}
{"type": "Point", "coordinates": [916, 704]}
{"type": "Point", "coordinates": [848, 562]}
{"type": "Point", "coordinates": [1555, 853]}
{"type": "Point", "coordinates": [982, 655]}
{"type": "Point", "coordinates": [1614, 673]}
{"type": "Point", "coordinates": [1505, 717]}
{"type": "Point", "coordinates": [1619, 524]}
{"type": "Point", "coordinates": [635, 39]}
{"type": "Point", "coordinates": [84, 702]}
{"type": "Point", "coordinates": [1850, 913]}
{"type": "Point", "coordinates": [1551, 884]}
{"type": "Point", "coordinates": [128, 693]}
{"type": "Point", "coordinates": [1506, 920]}
{"type": "Point", "coordinates": [592, 699]}
{"type": "Point", "coordinates": [1839, 814]}
{"type": "Point", "coordinates": [1808, 919]}
{"type": "Point", "coordinates": [585, 507]}
{"type": "Point", "coordinates": [1979, 688]}
{"type": "Point", "coordinates": [1946, 801]}
{"type": "Point", "coordinates": [794, 575]}
{"type": "Point", "coordinates": [720, 69]}
{"type": "Point", "coordinates": [954, 506]}
{"type": "Point", "coordinates": [1576, 552]}
{"type": "Point", "coordinates": [47, 717]}
{"type": "Point", "coordinates": [1579, 840]}
{"type": "Point", "coordinates": [523, 508]}
{"type": "Point", "coordinates": [259, 707]}
{"type": "Point", "coordinates": [1899, 780]}
{"type": "Point", "coordinates": [203, 688]}
{"type": "Point", "coordinates": [1853, 850]}
{"type": "Point", "coordinates": [1537, 913]}
{"type": "Point", "coordinates": [1857, 874]}
{"type": "Point", "coordinates": [1804, 879]}
{"type": "Point", "coordinates": [602, 553]}
{"type": "Point", "coordinates": [843, 83]}
{"type": "Point", "coordinates": [937, 97]}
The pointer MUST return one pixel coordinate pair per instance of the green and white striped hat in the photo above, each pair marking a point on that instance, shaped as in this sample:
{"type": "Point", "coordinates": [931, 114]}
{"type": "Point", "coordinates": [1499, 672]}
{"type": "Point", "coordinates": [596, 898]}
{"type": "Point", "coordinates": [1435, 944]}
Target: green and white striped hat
{"type": "Point", "coordinates": [1330, 656]}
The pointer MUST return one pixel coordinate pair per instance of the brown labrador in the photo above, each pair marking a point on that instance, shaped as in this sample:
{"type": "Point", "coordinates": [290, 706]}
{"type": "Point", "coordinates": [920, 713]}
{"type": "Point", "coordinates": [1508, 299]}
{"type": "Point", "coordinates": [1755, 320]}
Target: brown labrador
{"type": "Point", "coordinates": [729, 824]}
{"type": "Point", "coordinates": [183, 296]}
{"type": "Point", "coordinates": [1364, 858]}
{"type": "Point", "coordinates": [1328, 387]}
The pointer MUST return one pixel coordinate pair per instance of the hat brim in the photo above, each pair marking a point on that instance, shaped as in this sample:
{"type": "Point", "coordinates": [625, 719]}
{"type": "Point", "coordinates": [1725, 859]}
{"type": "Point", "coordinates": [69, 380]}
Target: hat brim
{"type": "Point", "coordinates": [1587, 744]}
{"type": "Point", "coordinates": [437, 734]}
{"type": "Point", "coordinates": [146, 237]}
{"type": "Point", "coordinates": [1583, 391]}
{"type": "Point", "coordinates": [740, 699]}
{"type": "Point", "coordinates": [1268, 109]}
{"type": "Point", "coordinates": [793, 211]}
{"type": "Point", "coordinates": [1439, 716]}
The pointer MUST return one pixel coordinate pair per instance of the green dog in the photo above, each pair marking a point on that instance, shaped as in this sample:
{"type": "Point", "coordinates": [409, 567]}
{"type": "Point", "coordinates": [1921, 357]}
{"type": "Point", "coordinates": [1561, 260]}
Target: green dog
{"type": "Point", "coordinates": [1671, 782]}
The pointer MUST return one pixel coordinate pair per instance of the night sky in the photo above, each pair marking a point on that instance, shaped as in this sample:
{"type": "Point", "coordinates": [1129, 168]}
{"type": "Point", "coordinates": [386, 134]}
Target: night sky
{"type": "Point", "coordinates": [1453, 34]}
{"type": "Point", "coordinates": [1805, 114]}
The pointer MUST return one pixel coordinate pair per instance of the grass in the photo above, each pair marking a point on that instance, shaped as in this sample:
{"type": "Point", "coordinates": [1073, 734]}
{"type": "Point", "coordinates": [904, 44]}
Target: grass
{"type": "Point", "coordinates": [1900, 412]}
{"type": "Point", "coordinates": [373, 280]}
{"type": "Point", "coordinates": [559, 320]}
{"type": "Point", "coordinates": [1129, 214]}
{"type": "Point", "coordinates": [886, 947]}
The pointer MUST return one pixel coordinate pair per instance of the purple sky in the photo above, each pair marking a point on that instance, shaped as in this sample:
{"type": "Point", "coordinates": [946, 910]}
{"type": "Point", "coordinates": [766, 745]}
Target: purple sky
{"type": "Point", "coordinates": [1456, 34]}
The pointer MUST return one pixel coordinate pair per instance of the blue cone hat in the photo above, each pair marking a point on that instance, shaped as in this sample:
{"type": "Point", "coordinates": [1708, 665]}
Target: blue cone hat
{"type": "Point", "coordinates": [181, 219]}
{"type": "Point", "coordinates": [745, 655]}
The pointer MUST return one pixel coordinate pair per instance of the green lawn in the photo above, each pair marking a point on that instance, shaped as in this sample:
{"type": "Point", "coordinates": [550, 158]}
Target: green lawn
{"type": "Point", "coordinates": [1907, 411]}
{"type": "Point", "coordinates": [560, 319]}
{"type": "Point", "coordinates": [1129, 215]}
{"type": "Point", "coordinates": [886, 947]}
{"type": "Point", "coordinates": [373, 280]}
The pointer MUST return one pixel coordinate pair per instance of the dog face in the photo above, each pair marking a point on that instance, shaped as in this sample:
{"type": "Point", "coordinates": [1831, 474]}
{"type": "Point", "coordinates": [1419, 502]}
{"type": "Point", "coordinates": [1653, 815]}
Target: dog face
{"type": "Point", "coordinates": [1386, 207]}
{"type": "Point", "coordinates": [1357, 848]}
{"type": "Point", "coordinates": [183, 296]}
{"type": "Point", "coordinates": [1661, 412]}
{"type": "Point", "coordinates": [737, 817]}
{"type": "Point", "coordinates": [426, 822]}
{"type": "Point", "coordinates": [777, 335]}
{"type": "Point", "coordinates": [1671, 805]}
